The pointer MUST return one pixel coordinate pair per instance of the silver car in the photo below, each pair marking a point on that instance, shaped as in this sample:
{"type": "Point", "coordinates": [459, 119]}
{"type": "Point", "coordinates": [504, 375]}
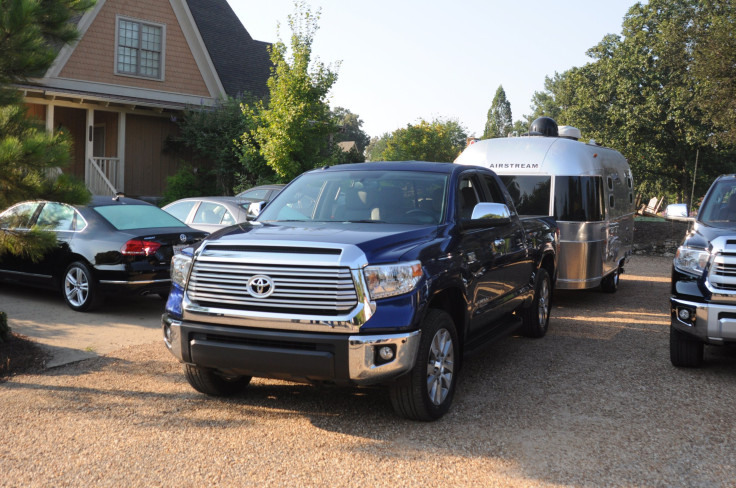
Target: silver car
{"type": "Point", "coordinates": [209, 213]}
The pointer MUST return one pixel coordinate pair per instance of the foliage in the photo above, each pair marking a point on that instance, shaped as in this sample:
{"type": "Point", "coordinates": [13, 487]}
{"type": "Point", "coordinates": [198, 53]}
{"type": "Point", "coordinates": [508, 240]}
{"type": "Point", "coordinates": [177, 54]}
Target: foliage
{"type": "Point", "coordinates": [210, 136]}
{"type": "Point", "coordinates": [293, 132]}
{"type": "Point", "coordinates": [375, 149]}
{"type": "Point", "coordinates": [499, 122]}
{"type": "Point", "coordinates": [644, 93]}
{"type": "Point", "coordinates": [438, 140]}
{"type": "Point", "coordinates": [30, 158]}
{"type": "Point", "coordinates": [349, 125]}
{"type": "Point", "coordinates": [188, 182]}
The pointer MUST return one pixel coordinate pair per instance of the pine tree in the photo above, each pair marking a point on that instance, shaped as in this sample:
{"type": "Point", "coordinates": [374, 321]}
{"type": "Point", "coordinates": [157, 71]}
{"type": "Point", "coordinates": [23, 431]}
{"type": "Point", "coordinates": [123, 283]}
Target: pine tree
{"type": "Point", "coordinates": [30, 35]}
{"type": "Point", "coordinates": [499, 122]}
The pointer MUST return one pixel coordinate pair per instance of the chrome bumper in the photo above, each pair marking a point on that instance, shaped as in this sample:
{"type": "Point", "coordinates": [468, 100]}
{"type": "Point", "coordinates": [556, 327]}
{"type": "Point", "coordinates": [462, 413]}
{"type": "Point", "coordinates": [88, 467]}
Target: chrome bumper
{"type": "Point", "coordinates": [709, 325]}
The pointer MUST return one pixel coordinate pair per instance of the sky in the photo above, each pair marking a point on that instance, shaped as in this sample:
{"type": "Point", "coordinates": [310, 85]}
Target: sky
{"type": "Point", "coordinates": [402, 61]}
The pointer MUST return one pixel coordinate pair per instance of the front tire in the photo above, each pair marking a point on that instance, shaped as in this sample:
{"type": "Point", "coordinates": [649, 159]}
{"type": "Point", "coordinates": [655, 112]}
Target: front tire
{"type": "Point", "coordinates": [210, 382]}
{"type": "Point", "coordinates": [535, 318]}
{"type": "Point", "coordinates": [685, 352]}
{"type": "Point", "coordinates": [425, 393]}
{"type": "Point", "coordinates": [79, 288]}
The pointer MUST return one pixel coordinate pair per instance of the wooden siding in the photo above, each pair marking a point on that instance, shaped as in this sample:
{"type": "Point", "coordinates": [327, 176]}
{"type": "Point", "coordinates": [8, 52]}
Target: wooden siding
{"type": "Point", "coordinates": [94, 57]}
{"type": "Point", "coordinates": [146, 164]}
{"type": "Point", "coordinates": [36, 111]}
{"type": "Point", "coordinates": [110, 121]}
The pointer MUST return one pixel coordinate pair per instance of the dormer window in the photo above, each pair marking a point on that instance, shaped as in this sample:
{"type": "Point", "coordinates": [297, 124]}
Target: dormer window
{"type": "Point", "coordinates": [140, 49]}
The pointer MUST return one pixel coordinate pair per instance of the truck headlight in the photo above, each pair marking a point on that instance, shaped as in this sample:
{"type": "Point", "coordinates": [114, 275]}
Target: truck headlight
{"type": "Point", "coordinates": [691, 261]}
{"type": "Point", "coordinates": [180, 266]}
{"type": "Point", "coordinates": [392, 279]}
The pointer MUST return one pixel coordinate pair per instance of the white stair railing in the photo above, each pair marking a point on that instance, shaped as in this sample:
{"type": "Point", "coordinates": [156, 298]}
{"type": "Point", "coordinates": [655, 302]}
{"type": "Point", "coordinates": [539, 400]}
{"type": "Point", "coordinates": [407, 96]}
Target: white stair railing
{"type": "Point", "coordinates": [103, 175]}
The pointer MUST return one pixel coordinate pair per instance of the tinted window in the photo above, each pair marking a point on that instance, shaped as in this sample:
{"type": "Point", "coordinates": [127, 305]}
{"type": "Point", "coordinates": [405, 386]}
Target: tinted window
{"type": "Point", "coordinates": [530, 194]}
{"type": "Point", "coordinates": [124, 217]}
{"type": "Point", "coordinates": [579, 198]}
{"type": "Point", "coordinates": [719, 207]}
{"type": "Point", "coordinates": [19, 216]}
{"type": "Point", "coordinates": [181, 210]}
{"type": "Point", "coordinates": [58, 217]}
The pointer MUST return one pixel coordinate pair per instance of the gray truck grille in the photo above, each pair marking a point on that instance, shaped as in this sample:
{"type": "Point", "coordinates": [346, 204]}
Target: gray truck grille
{"type": "Point", "coordinates": [307, 290]}
{"type": "Point", "coordinates": [722, 274]}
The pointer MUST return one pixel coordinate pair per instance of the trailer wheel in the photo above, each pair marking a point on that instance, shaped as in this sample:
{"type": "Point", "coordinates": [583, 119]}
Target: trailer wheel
{"type": "Point", "coordinates": [609, 284]}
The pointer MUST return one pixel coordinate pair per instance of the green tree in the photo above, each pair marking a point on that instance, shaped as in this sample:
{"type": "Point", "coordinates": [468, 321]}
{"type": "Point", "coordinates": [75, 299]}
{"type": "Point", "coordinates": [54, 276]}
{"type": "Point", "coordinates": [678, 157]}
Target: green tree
{"type": "Point", "coordinates": [31, 32]}
{"type": "Point", "coordinates": [643, 95]}
{"type": "Point", "coordinates": [499, 122]}
{"type": "Point", "coordinates": [349, 128]}
{"type": "Point", "coordinates": [209, 139]}
{"type": "Point", "coordinates": [438, 140]}
{"type": "Point", "coordinates": [294, 131]}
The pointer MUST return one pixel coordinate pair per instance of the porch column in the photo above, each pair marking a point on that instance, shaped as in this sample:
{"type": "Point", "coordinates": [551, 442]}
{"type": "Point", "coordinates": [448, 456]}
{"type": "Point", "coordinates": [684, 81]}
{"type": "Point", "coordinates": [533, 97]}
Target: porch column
{"type": "Point", "coordinates": [88, 143]}
{"type": "Point", "coordinates": [121, 151]}
{"type": "Point", "coordinates": [50, 118]}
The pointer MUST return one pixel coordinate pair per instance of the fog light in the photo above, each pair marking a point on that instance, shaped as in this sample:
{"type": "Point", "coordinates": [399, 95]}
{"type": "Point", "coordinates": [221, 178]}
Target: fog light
{"type": "Point", "coordinates": [684, 314]}
{"type": "Point", "coordinates": [386, 353]}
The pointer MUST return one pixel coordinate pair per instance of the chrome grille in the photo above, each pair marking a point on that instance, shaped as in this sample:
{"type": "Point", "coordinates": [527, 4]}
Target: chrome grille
{"type": "Point", "coordinates": [722, 274]}
{"type": "Point", "coordinates": [315, 290]}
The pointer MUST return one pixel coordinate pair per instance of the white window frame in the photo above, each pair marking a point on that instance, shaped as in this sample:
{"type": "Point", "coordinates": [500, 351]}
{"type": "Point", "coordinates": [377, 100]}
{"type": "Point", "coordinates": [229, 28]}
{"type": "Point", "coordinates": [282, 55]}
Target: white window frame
{"type": "Point", "coordinates": [162, 73]}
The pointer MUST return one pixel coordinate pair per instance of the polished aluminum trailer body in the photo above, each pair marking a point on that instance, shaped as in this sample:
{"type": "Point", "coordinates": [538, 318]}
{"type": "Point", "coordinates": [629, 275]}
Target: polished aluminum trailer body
{"type": "Point", "coordinates": [586, 187]}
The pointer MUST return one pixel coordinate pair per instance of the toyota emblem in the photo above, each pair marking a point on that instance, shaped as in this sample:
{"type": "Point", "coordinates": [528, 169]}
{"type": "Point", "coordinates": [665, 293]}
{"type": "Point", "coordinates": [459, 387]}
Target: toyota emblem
{"type": "Point", "coordinates": [260, 286]}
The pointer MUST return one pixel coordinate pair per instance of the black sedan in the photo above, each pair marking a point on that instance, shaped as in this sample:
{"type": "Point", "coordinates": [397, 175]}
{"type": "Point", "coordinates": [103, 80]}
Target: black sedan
{"type": "Point", "coordinates": [111, 245]}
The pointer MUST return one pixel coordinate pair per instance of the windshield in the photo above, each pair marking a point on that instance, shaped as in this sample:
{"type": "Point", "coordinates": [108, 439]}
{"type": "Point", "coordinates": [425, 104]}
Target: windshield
{"type": "Point", "coordinates": [124, 217]}
{"type": "Point", "coordinates": [397, 197]}
{"type": "Point", "coordinates": [719, 207]}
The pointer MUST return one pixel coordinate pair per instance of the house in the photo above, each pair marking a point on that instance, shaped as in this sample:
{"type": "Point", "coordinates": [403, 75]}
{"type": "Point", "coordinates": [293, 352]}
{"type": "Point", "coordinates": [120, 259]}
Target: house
{"type": "Point", "coordinates": [137, 65]}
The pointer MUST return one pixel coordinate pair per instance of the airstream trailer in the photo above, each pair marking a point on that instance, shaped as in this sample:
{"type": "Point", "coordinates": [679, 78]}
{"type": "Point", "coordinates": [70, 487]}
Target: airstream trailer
{"type": "Point", "coordinates": [588, 188]}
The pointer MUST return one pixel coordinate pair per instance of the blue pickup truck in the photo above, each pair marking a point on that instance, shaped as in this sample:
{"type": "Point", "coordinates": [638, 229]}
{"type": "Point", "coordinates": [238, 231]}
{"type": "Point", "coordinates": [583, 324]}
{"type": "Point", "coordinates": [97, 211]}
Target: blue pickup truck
{"type": "Point", "coordinates": [376, 273]}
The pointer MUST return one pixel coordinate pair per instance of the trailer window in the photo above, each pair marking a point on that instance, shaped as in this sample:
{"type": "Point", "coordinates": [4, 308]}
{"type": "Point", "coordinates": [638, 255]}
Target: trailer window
{"type": "Point", "coordinates": [530, 193]}
{"type": "Point", "coordinates": [579, 198]}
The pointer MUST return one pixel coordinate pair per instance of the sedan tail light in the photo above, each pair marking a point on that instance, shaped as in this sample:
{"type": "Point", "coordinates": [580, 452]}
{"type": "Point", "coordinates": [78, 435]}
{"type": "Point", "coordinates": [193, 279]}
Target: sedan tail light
{"type": "Point", "coordinates": [137, 247]}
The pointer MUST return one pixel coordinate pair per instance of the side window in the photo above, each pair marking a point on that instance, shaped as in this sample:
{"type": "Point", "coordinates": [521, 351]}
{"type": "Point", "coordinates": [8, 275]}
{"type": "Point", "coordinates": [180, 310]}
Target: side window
{"type": "Point", "coordinates": [468, 196]}
{"type": "Point", "coordinates": [19, 216]}
{"type": "Point", "coordinates": [209, 213]}
{"type": "Point", "coordinates": [493, 193]}
{"type": "Point", "coordinates": [228, 219]}
{"type": "Point", "coordinates": [181, 210]}
{"type": "Point", "coordinates": [57, 217]}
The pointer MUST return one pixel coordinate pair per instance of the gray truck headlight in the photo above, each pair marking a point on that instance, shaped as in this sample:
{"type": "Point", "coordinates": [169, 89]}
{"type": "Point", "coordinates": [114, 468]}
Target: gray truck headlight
{"type": "Point", "coordinates": [392, 279]}
{"type": "Point", "coordinates": [180, 266]}
{"type": "Point", "coordinates": [691, 261]}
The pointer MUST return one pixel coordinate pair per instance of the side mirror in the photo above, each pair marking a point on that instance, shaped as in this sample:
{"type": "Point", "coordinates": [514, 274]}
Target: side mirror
{"type": "Point", "coordinates": [677, 211]}
{"type": "Point", "coordinates": [488, 215]}
{"type": "Point", "coordinates": [254, 210]}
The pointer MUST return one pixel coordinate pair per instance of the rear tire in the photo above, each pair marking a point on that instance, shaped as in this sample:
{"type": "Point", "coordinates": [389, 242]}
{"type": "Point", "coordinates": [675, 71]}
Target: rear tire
{"type": "Point", "coordinates": [210, 382]}
{"type": "Point", "coordinates": [685, 352]}
{"type": "Point", "coordinates": [425, 393]}
{"type": "Point", "coordinates": [79, 288]}
{"type": "Point", "coordinates": [535, 318]}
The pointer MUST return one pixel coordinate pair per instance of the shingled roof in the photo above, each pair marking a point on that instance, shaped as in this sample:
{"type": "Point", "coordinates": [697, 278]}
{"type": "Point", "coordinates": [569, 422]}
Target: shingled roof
{"type": "Point", "coordinates": [242, 63]}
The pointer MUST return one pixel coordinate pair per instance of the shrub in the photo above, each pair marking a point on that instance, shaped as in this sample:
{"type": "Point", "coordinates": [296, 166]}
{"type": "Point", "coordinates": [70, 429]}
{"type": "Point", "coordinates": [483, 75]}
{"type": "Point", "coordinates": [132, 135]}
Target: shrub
{"type": "Point", "coordinates": [4, 328]}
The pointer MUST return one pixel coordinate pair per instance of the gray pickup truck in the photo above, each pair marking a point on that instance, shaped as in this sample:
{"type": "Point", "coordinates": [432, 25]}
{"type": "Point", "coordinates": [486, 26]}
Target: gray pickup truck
{"type": "Point", "coordinates": [364, 274]}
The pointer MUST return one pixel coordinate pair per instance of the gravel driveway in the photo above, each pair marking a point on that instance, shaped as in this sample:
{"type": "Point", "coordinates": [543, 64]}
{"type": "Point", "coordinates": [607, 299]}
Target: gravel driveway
{"type": "Point", "coordinates": [594, 403]}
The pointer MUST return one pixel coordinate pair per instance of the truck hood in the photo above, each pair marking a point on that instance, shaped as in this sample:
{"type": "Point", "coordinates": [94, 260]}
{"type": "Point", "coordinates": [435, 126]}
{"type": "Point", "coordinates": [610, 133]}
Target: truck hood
{"type": "Point", "coordinates": [702, 234]}
{"type": "Point", "coordinates": [381, 243]}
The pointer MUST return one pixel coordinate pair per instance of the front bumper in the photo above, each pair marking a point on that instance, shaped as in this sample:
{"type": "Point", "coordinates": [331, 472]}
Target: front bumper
{"type": "Point", "coordinates": [297, 356]}
{"type": "Point", "coordinates": [712, 323]}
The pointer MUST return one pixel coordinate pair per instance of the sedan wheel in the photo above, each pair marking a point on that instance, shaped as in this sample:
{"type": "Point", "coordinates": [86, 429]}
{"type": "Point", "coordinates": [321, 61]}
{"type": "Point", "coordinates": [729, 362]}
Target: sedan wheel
{"type": "Point", "coordinates": [80, 289]}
